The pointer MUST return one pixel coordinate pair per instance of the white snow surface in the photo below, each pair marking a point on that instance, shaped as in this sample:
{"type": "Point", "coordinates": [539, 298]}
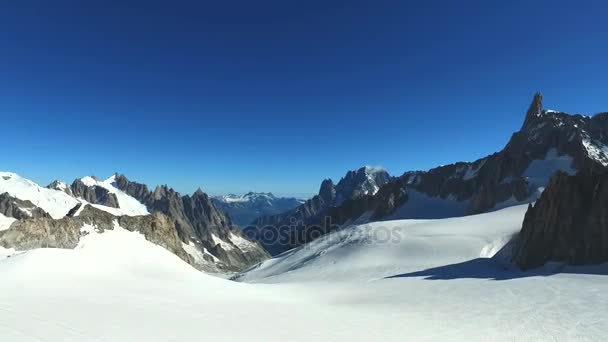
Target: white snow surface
{"type": "Point", "coordinates": [540, 171]}
{"type": "Point", "coordinates": [55, 203]}
{"type": "Point", "coordinates": [5, 222]}
{"type": "Point", "coordinates": [387, 248]}
{"type": "Point", "coordinates": [437, 279]}
{"type": "Point", "coordinates": [117, 286]}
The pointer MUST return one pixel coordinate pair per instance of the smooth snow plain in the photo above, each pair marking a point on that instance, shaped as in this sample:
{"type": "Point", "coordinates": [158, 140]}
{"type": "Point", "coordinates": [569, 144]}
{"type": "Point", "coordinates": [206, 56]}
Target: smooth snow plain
{"type": "Point", "coordinates": [424, 280]}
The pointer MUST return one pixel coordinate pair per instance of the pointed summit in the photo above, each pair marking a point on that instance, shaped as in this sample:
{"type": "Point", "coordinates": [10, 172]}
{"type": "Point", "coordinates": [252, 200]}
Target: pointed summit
{"type": "Point", "coordinates": [536, 108]}
{"type": "Point", "coordinates": [327, 191]}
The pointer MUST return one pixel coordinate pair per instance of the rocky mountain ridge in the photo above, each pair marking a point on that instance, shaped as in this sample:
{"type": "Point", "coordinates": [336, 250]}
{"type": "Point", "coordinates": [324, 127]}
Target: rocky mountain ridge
{"type": "Point", "coordinates": [549, 141]}
{"type": "Point", "coordinates": [198, 221]}
{"type": "Point", "coordinates": [204, 233]}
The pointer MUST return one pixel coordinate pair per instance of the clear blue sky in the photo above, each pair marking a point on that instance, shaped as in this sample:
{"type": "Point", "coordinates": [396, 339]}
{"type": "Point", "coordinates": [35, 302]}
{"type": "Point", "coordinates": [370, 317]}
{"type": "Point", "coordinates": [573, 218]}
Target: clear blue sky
{"type": "Point", "coordinates": [274, 96]}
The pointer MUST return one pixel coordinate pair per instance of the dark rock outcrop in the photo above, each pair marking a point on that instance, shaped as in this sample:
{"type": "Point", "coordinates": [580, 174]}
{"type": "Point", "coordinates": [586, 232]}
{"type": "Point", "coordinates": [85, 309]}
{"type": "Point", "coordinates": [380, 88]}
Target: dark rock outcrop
{"type": "Point", "coordinates": [569, 223]}
{"type": "Point", "coordinates": [94, 194]}
{"type": "Point", "coordinates": [19, 209]}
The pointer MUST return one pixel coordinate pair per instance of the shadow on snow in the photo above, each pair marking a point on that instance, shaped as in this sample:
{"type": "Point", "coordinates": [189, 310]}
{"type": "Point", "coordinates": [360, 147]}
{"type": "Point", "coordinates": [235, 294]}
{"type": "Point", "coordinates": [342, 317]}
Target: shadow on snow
{"type": "Point", "coordinates": [487, 268]}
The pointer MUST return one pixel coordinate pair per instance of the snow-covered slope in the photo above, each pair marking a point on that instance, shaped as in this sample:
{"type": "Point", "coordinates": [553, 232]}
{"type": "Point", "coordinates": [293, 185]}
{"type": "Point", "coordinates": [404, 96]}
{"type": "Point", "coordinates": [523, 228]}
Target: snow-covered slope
{"type": "Point", "coordinates": [54, 202]}
{"type": "Point", "coordinates": [381, 249]}
{"type": "Point", "coordinates": [5, 222]}
{"type": "Point", "coordinates": [117, 286]}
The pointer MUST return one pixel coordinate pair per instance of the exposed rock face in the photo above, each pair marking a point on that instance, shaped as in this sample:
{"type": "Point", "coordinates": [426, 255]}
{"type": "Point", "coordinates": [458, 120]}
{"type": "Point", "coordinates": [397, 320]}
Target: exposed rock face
{"type": "Point", "coordinates": [247, 208]}
{"type": "Point", "coordinates": [197, 220]}
{"type": "Point", "coordinates": [66, 232]}
{"type": "Point", "coordinates": [327, 192]}
{"type": "Point", "coordinates": [364, 181]}
{"type": "Point", "coordinates": [569, 223]}
{"type": "Point", "coordinates": [94, 194]}
{"type": "Point", "coordinates": [16, 208]}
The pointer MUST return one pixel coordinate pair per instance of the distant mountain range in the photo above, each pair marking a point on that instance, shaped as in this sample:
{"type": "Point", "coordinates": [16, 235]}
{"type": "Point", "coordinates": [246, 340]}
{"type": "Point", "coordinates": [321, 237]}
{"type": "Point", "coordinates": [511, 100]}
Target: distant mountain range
{"type": "Point", "coordinates": [245, 209]}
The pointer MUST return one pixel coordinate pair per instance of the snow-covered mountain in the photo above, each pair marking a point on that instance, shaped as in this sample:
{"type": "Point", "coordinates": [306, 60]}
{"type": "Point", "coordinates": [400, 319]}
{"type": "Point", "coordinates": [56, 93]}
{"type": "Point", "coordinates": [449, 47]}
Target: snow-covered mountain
{"type": "Point", "coordinates": [191, 227]}
{"type": "Point", "coordinates": [244, 209]}
{"type": "Point", "coordinates": [56, 203]}
{"type": "Point", "coordinates": [549, 141]}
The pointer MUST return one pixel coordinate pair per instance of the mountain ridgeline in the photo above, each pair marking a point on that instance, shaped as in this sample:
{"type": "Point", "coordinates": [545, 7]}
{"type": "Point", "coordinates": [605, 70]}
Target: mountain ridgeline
{"type": "Point", "coordinates": [548, 141]}
{"type": "Point", "coordinates": [189, 226]}
{"type": "Point", "coordinates": [197, 221]}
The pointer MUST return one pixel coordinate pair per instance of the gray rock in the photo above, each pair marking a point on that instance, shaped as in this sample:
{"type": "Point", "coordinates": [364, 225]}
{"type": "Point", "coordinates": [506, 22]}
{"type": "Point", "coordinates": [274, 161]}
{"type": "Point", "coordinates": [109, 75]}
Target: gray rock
{"type": "Point", "coordinates": [94, 194]}
{"type": "Point", "coordinates": [46, 232]}
{"type": "Point", "coordinates": [569, 223]}
{"type": "Point", "coordinates": [197, 220]}
{"type": "Point", "coordinates": [19, 209]}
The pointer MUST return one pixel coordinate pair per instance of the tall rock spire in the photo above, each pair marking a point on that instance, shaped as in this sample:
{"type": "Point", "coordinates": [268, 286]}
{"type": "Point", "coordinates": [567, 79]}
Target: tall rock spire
{"type": "Point", "coordinates": [327, 191]}
{"type": "Point", "coordinates": [535, 110]}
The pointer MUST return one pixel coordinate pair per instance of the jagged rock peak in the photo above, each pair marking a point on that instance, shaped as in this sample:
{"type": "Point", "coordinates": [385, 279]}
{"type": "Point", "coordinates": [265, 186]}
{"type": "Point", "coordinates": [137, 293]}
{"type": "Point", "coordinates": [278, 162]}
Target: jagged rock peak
{"type": "Point", "coordinates": [366, 180]}
{"type": "Point", "coordinates": [199, 192]}
{"type": "Point", "coordinates": [94, 194]}
{"type": "Point", "coordinates": [536, 108]}
{"type": "Point", "coordinates": [328, 190]}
